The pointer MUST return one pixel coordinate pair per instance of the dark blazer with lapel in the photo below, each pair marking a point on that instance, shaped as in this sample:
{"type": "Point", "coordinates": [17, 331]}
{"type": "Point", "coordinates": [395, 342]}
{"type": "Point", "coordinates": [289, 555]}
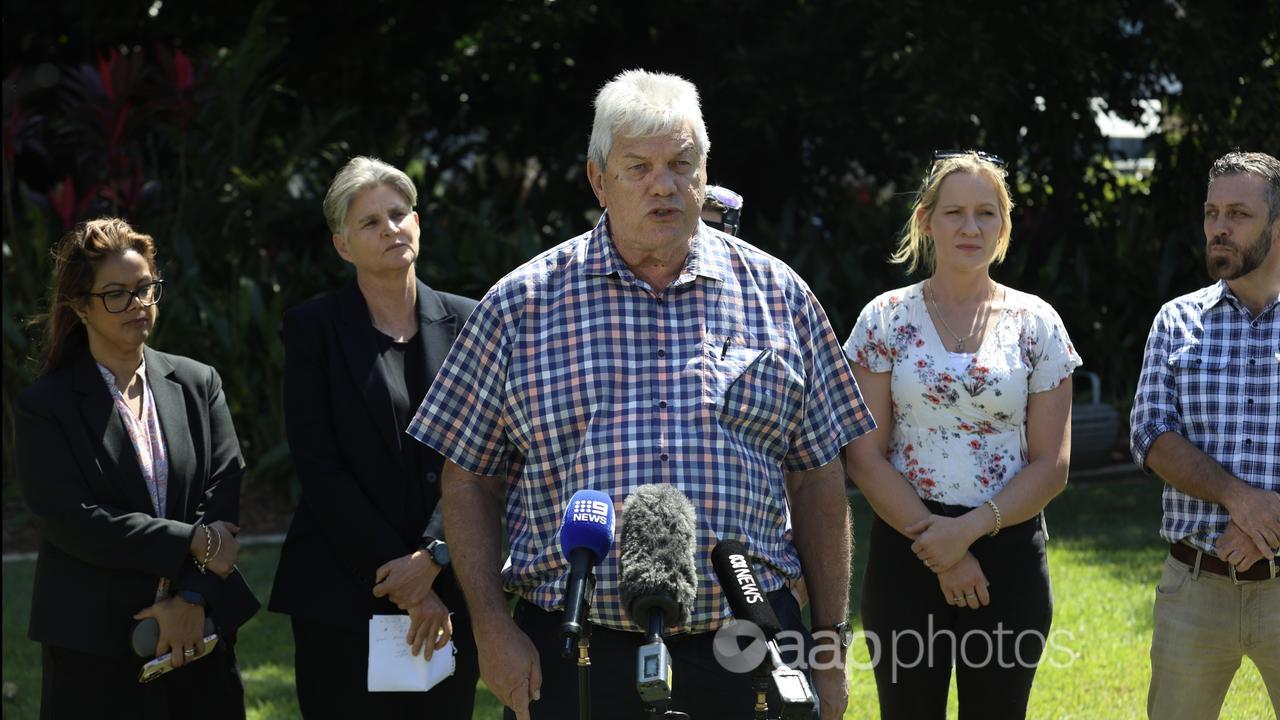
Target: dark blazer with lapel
{"type": "Point", "coordinates": [102, 550]}
{"type": "Point", "coordinates": [356, 511]}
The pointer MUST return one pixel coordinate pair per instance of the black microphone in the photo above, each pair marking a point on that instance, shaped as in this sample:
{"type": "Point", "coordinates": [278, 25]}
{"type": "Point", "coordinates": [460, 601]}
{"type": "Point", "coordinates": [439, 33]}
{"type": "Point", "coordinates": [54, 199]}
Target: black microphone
{"type": "Point", "coordinates": [748, 603]}
{"type": "Point", "coordinates": [658, 577]}
{"type": "Point", "coordinates": [585, 538]}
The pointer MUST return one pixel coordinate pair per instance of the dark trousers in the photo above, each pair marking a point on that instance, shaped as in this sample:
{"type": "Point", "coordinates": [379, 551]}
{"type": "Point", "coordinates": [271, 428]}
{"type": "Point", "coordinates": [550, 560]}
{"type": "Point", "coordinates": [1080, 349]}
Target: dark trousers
{"type": "Point", "coordinates": [81, 685]}
{"type": "Point", "coordinates": [700, 685]}
{"type": "Point", "coordinates": [915, 637]}
{"type": "Point", "coordinates": [331, 670]}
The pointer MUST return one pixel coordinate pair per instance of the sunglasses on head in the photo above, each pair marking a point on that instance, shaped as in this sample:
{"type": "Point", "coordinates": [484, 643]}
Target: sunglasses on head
{"type": "Point", "coordinates": [726, 197]}
{"type": "Point", "coordinates": [985, 156]}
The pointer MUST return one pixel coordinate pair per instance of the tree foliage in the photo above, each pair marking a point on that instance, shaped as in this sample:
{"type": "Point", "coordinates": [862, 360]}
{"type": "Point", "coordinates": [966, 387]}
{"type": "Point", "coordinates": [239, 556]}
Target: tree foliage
{"type": "Point", "coordinates": [217, 127]}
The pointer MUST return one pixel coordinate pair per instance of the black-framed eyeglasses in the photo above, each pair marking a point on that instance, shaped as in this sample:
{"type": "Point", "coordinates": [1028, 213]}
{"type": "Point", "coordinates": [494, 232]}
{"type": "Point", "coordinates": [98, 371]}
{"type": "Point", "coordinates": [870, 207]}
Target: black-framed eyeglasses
{"type": "Point", "coordinates": [988, 157]}
{"type": "Point", "coordinates": [117, 301]}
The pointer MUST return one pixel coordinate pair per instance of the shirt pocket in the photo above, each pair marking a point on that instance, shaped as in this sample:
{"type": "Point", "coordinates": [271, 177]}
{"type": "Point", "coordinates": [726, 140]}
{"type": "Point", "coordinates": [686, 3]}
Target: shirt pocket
{"type": "Point", "coordinates": [758, 398]}
{"type": "Point", "coordinates": [1206, 396]}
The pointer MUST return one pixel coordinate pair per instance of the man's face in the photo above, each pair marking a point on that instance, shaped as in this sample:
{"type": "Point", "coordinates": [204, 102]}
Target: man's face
{"type": "Point", "coordinates": [1237, 236]}
{"type": "Point", "coordinates": [653, 188]}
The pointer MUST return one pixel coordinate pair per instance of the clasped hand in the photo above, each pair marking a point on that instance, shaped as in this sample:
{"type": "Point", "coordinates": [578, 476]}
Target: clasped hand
{"type": "Point", "coordinates": [221, 543]}
{"type": "Point", "coordinates": [1236, 548]}
{"type": "Point", "coordinates": [181, 628]}
{"type": "Point", "coordinates": [942, 544]}
{"type": "Point", "coordinates": [940, 541]}
{"type": "Point", "coordinates": [430, 626]}
{"type": "Point", "coordinates": [407, 580]}
{"type": "Point", "coordinates": [964, 584]}
{"type": "Point", "coordinates": [1255, 514]}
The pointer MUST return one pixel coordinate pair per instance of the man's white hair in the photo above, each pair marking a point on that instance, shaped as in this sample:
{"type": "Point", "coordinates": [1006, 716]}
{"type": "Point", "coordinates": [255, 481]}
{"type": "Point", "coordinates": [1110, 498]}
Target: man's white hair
{"type": "Point", "coordinates": [638, 103]}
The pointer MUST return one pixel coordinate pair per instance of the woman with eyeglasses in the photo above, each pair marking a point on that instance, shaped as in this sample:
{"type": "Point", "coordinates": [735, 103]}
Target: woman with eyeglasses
{"type": "Point", "coordinates": [130, 466]}
{"type": "Point", "coordinates": [970, 384]}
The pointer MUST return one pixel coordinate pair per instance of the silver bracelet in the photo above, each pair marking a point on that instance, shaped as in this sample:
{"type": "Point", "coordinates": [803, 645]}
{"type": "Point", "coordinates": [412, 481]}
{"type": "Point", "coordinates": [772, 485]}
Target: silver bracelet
{"type": "Point", "coordinates": [208, 545]}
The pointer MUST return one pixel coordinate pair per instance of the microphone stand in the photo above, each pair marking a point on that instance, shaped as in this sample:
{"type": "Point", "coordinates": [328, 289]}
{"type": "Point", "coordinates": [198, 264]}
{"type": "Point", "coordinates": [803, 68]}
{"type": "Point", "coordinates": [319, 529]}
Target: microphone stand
{"type": "Point", "coordinates": [760, 685]}
{"type": "Point", "coordinates": [584, 672]}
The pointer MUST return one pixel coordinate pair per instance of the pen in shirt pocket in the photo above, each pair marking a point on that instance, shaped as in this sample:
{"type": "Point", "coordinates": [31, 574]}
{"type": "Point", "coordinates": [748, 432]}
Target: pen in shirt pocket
{"type": "Point", "coordinates": [725, 350]}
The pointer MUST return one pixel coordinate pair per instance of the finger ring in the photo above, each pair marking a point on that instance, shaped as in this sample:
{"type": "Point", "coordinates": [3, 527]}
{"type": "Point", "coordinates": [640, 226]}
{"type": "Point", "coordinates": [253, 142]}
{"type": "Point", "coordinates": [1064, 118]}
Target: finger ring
{"type": "Point", "coordinates": [957, 599]}
{"type": "Point", "coordinates": [189, 652]}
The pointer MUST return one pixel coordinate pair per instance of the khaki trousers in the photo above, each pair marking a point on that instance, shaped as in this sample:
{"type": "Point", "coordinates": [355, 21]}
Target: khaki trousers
{"type": "Point", "coordinates": [1203, 626]}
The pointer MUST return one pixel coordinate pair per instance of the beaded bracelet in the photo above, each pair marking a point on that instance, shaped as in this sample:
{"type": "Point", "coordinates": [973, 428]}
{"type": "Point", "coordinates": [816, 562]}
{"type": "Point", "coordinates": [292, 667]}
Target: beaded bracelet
{"type": "Point", "coordinates": [999, 521]}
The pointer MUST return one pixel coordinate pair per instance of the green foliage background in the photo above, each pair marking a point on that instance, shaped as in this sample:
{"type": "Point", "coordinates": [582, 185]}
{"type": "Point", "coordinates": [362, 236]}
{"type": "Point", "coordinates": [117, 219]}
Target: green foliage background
{"type": "Point", "coordinates": [216, 128]}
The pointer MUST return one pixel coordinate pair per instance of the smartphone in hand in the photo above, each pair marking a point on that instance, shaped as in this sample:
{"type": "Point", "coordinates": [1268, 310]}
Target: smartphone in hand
{"type": "Point", "coordinates": [164, 663]}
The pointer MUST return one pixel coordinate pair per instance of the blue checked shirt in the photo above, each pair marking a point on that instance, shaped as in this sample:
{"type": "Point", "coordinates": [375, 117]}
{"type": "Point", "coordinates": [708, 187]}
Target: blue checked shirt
{"type": "Point", "coordinates": [574, 374]}
{"type": "Point", "coordinates": [1211, 373]}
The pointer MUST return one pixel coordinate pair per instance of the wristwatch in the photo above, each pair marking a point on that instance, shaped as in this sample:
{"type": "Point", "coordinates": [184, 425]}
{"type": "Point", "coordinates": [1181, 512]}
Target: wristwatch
{"type": "Point", "coordinates": [438, 549]}
{"type": "Point", "coordinates": [191, 596]}
{"type": "Point", "coordinates": [843, 632]}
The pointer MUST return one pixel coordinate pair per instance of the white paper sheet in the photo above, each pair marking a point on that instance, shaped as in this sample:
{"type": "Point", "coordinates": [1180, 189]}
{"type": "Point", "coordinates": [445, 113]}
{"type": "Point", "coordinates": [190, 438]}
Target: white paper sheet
{"type": "Point", "coordinates": [392, 665]}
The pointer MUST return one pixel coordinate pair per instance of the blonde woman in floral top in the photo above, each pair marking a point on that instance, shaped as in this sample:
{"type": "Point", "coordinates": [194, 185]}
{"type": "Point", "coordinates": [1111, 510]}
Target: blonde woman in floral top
{"type": "Point", "coordinates": [970, 384]}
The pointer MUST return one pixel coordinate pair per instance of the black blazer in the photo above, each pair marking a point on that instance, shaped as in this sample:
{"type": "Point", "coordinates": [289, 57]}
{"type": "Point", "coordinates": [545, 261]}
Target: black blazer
{"type": "Point", "coordinates": [356, 511]}
{"type": "Point", "coordinates": [102, 551]}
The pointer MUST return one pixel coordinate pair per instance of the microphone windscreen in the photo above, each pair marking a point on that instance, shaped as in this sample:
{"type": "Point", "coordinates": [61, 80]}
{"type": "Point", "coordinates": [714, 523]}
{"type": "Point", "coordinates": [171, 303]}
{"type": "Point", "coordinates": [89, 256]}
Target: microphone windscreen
{"type": "Point", "coordinates": [659, 536]}
{"type": "Point", "coordinates": [588, 524]}
{"type": "Point", "coordinates": [741, 587]}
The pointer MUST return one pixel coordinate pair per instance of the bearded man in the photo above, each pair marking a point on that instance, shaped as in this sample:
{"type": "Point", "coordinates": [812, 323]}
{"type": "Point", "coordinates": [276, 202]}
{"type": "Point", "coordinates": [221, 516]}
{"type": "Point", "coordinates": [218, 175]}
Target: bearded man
{"type": "Point", "coordinates": [1206, 419]}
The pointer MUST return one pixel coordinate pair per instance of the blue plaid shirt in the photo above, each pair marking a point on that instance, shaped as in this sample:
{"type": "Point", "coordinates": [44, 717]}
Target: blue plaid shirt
{"type": "Point", "coordinates": [1211, 373]}
{"type": "Point", "coordinates": [573, 373]}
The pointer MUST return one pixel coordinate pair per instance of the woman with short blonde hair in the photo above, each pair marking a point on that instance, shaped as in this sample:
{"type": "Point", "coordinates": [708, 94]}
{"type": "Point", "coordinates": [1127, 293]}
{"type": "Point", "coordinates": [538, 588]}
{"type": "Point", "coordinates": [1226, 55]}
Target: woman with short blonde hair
{"type": "Point", "coordinates": [369, 526]}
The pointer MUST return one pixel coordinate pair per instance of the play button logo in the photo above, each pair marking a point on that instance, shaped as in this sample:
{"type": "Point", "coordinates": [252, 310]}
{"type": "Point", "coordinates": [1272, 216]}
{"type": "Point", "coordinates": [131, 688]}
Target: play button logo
{"type": "Point", "coordinates": [740, 646]}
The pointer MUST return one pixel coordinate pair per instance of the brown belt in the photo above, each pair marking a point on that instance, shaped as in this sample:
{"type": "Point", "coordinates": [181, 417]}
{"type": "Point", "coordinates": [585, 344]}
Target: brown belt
{"type": "Point", "coordinates": [1261, 570]}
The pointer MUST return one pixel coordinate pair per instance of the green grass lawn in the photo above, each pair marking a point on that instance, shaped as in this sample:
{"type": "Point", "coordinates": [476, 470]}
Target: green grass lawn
{"type": "Point", "coordinates": [1105, 557]}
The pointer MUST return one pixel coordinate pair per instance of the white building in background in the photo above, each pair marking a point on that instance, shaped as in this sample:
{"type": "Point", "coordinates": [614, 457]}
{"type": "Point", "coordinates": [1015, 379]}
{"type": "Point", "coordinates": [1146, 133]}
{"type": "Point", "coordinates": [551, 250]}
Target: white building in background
{"type": "Point", "coordinates": [1127, 141]}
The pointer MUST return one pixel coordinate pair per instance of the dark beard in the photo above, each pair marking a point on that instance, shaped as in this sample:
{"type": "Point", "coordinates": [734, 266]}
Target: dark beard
{"type": "Point", "coordinates": [1251, 256]}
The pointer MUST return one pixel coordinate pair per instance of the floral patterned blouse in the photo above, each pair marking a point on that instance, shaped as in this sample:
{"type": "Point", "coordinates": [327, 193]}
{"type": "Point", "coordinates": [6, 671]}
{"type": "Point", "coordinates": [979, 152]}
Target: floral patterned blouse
{"type": "Point", "coordinates": [960, 419]}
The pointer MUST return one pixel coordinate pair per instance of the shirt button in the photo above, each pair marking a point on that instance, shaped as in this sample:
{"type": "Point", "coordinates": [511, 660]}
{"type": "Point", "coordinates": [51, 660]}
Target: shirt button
{"type": "Point", "coordinates": [1250, 401]}
{"type": "Point", "coordinates": [663, 403]}
{"type": "Point", "coordinates": [663, 457]}
{"type": "Point", "coordinates": [662, 353]}
{"type": "Point", "coordinates": [1248, 441]}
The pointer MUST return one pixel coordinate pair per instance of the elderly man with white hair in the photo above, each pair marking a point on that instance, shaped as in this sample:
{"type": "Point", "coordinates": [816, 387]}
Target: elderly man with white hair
{"type": "Point", "coordinates": [649, 350]}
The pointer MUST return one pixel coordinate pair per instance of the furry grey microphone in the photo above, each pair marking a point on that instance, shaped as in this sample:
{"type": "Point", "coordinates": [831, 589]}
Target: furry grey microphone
{"type": "Point", "coordinates": [658, 571]}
